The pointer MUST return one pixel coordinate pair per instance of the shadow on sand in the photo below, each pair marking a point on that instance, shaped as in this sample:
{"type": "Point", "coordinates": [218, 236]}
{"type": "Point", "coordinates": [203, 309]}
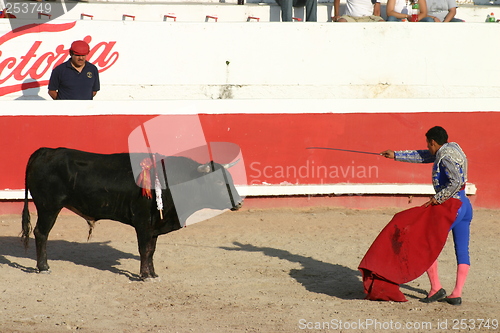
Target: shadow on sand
{"type": "Point", "coordinates": [321, 277]}
{"type": "Point", "coordinates": [98, 255]}
{"type": "Point", "coordinates": [315, 275]}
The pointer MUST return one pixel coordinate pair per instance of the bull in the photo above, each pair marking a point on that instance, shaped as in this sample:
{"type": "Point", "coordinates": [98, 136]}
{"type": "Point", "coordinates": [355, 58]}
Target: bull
{"type": "Point", "coordinates": [103, 186]}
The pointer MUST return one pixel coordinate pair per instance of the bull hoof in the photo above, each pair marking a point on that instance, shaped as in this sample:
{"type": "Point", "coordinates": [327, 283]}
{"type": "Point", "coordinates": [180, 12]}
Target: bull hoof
{"type": "Point", "coordinates": [152, 279]}
{"type": "Point", "coordinates": [45, 271]}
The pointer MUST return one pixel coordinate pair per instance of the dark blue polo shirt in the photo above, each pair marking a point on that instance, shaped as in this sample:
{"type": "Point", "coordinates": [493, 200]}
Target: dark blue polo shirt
{"type": "Point", "coordinates": [71, 84]}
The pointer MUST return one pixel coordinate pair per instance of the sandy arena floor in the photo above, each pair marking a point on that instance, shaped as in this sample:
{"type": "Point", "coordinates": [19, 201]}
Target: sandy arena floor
{"type": "Point", "coordinates": [279, 270]}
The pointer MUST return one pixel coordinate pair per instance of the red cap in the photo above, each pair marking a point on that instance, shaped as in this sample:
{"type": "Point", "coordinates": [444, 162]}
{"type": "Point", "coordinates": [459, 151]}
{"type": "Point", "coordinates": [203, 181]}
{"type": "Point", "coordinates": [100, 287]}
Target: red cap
{"type": "Point", "coordinates": [80, 47]}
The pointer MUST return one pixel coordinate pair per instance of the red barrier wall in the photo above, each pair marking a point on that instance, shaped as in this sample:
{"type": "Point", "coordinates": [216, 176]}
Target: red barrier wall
{"type": "Point", "coordinates": [274, 145]}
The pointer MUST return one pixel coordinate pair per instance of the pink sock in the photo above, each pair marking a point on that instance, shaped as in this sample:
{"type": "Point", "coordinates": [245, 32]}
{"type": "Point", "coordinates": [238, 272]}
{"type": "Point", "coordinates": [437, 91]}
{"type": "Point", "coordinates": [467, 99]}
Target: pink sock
{"type": "Point", "coordinates": [432, 272]}
{"type": "Point", "coordinates": [462, 271]}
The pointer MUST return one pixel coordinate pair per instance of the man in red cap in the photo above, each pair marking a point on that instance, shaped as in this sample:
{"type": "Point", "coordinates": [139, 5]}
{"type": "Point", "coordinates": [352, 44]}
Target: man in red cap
{"type": "Point", "coordinates": [76, 78]}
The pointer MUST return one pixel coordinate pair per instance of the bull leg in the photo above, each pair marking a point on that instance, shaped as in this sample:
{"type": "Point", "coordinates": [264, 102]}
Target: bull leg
{"type": "Point", "coordinates": [147, 247]}
{"type": "Point", "coordinates": [44, 224]}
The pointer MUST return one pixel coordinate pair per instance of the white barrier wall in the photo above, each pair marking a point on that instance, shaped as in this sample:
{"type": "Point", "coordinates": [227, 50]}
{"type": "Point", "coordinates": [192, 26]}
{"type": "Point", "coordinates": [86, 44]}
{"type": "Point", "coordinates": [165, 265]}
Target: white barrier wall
{"type": "Point", "coordinates": [174, 60]}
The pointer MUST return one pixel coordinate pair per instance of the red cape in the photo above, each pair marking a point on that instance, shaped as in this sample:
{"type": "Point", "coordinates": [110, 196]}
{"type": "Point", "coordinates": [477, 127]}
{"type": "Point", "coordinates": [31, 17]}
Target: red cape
{"type": "Point", "coordinates": [406, 248]}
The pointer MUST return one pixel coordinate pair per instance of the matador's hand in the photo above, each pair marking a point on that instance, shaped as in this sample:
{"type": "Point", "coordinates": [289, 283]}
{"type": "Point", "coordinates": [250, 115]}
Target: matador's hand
{"type": "Point", "coordinates": [432, 202]}
{"type": "Point", "coordinates": [388, 153]}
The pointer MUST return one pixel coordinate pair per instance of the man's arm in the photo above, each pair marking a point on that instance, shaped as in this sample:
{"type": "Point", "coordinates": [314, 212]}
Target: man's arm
{"type": "Point", "coordinates": [53, 94]}
{"type": "Point", "coordinates": [389, 10]}
{"type": "Point", "coordinates": [451, 14]}
{"type": "Point", "coordinates": [423, 9]}
{"type": "Point", "coordinates": [376, 9]}
{"type": "Point", "coordinates": [455, 183]}
{"type": "Point", "coordinates": [336, 10]}
{"type": "Point", "coordinates": [54, 83]}
{"type": "Point", "coordinates": [455, 177]}
{"type": "Point", "coordinates": [97, 84]}
{"type": "Point", "coordinates": [412, 156]}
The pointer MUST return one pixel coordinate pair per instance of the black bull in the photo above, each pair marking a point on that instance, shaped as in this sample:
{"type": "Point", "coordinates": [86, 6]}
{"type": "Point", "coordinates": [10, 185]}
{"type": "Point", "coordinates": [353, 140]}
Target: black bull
{"type": "Point", "coordinates": [98, 186]}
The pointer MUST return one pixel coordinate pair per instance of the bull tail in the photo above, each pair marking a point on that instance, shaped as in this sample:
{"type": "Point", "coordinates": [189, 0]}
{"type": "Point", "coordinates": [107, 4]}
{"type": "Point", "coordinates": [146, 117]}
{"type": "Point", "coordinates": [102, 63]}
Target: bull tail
{"type": "Point", "coordinates": [26, 218]}
{"type": "Point", "coordinates": [26, 222]}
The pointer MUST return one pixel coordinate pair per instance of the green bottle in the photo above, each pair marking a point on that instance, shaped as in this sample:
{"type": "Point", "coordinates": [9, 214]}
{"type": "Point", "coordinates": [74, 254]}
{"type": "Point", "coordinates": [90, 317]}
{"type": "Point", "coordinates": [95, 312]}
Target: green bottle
{"type": "Point", "coordinates": [415, 10]}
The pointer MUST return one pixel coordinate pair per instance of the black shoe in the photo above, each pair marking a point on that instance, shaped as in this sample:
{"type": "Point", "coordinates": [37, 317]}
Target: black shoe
{"type": "Point", "coordinates": [452, 300]}
{"type": "Point", "coordinates": [440, 294]}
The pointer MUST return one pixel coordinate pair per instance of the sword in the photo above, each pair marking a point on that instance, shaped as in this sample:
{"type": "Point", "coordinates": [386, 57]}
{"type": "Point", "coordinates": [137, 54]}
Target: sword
{"type": "Point", "coordinates": [348, 150]}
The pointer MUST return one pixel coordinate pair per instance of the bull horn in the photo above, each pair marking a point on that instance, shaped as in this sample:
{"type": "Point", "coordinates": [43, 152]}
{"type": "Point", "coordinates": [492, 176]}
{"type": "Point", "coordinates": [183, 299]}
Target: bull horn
{"type": "Point", "coordinates": [227, 166]}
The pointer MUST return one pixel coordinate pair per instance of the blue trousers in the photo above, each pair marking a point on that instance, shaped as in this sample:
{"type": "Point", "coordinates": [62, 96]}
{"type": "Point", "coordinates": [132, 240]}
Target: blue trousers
{"type": "Point", "coordinates": [461, 230]}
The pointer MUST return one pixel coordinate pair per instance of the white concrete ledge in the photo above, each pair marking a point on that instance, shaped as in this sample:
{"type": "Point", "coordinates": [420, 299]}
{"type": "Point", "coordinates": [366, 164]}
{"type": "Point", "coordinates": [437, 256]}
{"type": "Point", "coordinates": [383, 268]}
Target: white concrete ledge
{"type": "Point", "coordinates": [289, 190]}
{"type": "Point", "coordinates": [248, 106]}
{"type": "Point", "coordinates": [12, 195]}
{"type": "Point", "coordinates": [343, 189]}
